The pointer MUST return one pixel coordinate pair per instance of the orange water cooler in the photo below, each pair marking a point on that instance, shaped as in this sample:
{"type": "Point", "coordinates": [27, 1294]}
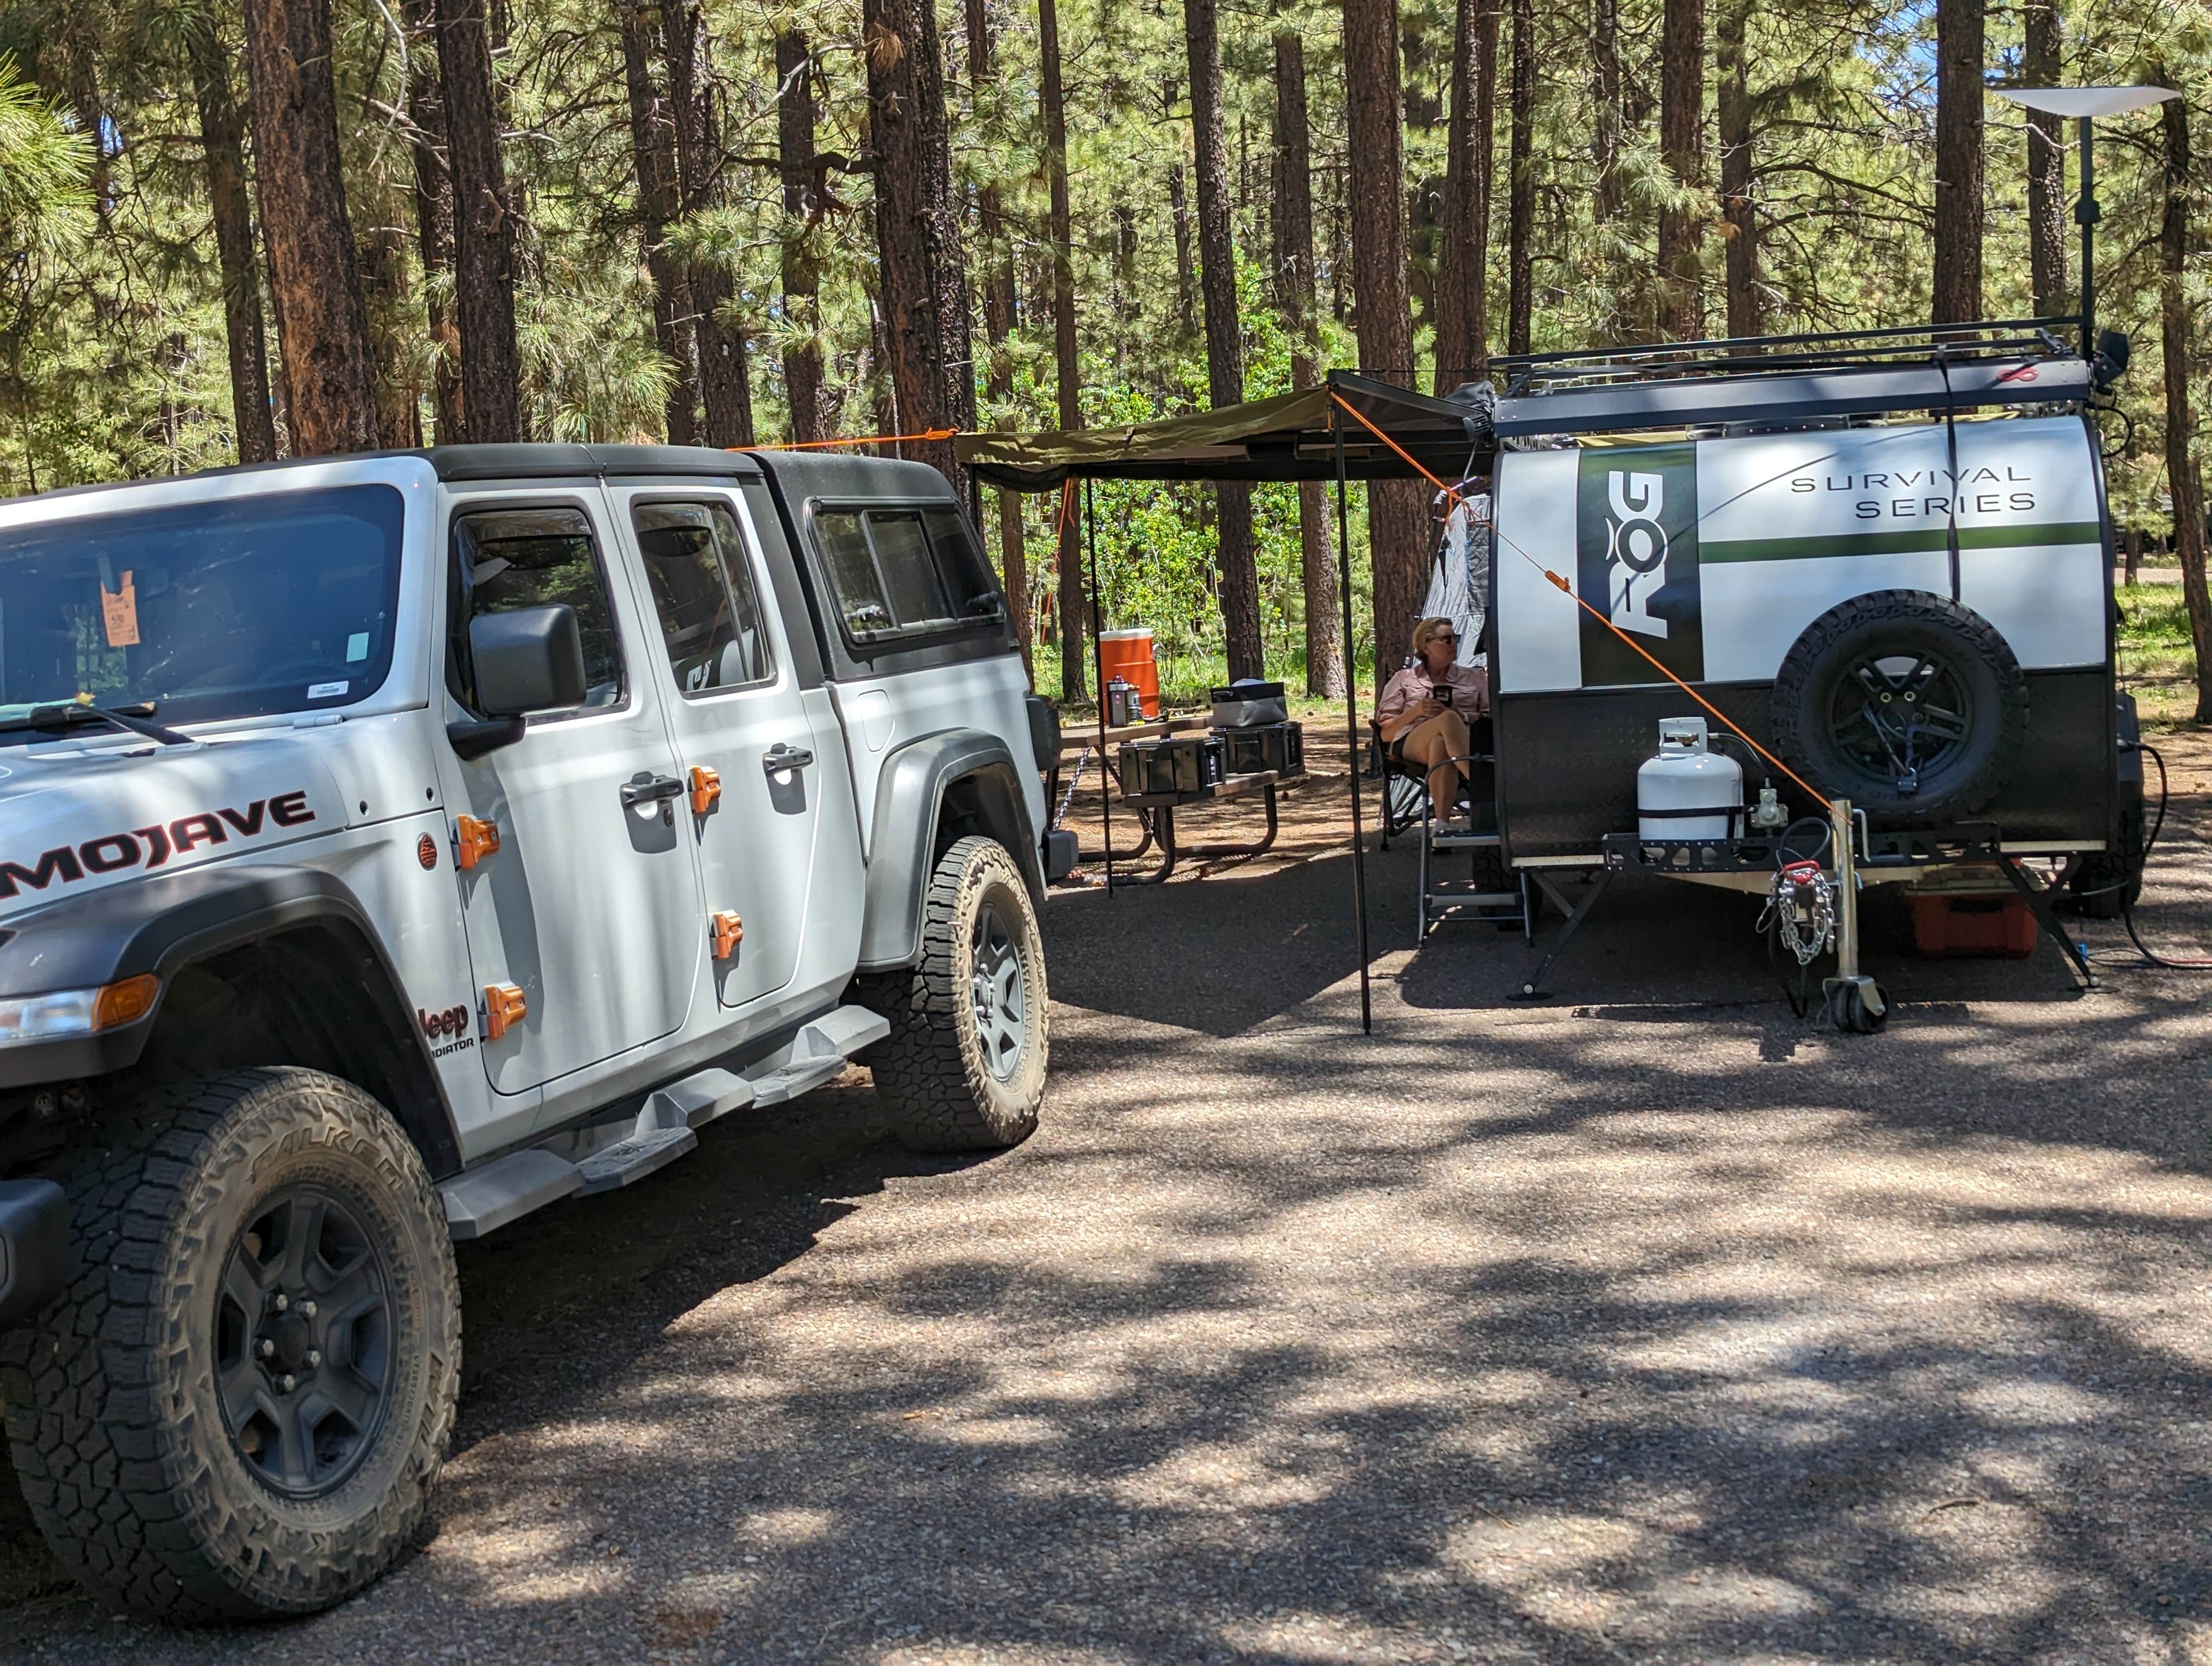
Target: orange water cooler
{"type": "Point", "coordinates": [1128, 654]}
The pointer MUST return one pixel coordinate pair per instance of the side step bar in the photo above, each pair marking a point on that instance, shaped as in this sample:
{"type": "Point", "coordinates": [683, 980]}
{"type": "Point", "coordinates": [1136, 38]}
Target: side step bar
{"type": "Point", "coordinates": [505, 1189]}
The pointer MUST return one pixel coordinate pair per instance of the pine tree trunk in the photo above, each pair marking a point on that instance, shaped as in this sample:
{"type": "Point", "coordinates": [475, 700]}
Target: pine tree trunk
{"type": "Point", "coordinates": [725, 385]}
{"type": "Point", "coordinates": [2046, 164]}
{"type": "Point", "coordinates": [1225, 347]}
{"type": "Point", "coordinates": [2178, 345]}
{"type": "Point", "coordinates": [1681, 147]}
{"type": "Point", "coordinates": [484, 227]}
{"type": "Point", "coordinates": [222, 160]}
{"type": "Point", "coordinates": [382, 254]}
{"type": "Point", "coordinates": [1605, 113]}
{"type": "Point", "coordinates": [1294, 294]}
{"type": "Point", "coordinates": [1521, 185]}
{"type": "Point", "coordinates": [997, 322]}
{"type": "Point", "coordinates": [660, 202]}
{"type": "Point", "coordinates": [1737, 211]}
{"type": "Point", "coordinates": [1958, 287]}
{"type": "Point", "coordinates": [1462, 354]}
{"type": "Point", "coordinates": [434, 213]}
{"type": "Point", "coordinates": [917, 229]}
{"type": "Point", "coordinates": [1397, 512]}
{"type": "Point", "coordinates": [322, 327]}
{"type": "Point", "coordinates": [1179, 212]}
{"type": "Point", "coordinates": [1072, 625]}
{"type": "Point", "coordinates": [802, 361]}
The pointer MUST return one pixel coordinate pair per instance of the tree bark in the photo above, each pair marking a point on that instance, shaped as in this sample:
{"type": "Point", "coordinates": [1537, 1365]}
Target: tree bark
{"type": "Point", "coordinates": [1462, 317]}
{"type": "Point", "coordinates": [1605, 113]}
{"type": "Point", "coordinates": [433, 215]}
{"type": "Point", "coordinates": [322, 325]}
{"type": "Point", "coordinates": [1957, 296]}
{"type": "Point", "coordinates": [917, 229]}
{"type": "Point", "coordinates": [660, 202]}
{"type": "Point", "coordinates": [1179, 212]}
{"type": "Point", "coordinates": [725, 385]}
{"type": "Point", "coordinates": [2046, 164]}
{"type": "Point", "coordinates": [802, 359]}
{"type": "Point", "coordinates": [484, 227]}
{"type": "Point", "coordinates": [1521, 185]}
{"type": "Point", "coordinates": [1225, 347]}
{"type": "Point", "coordinates": [1397, 512]}
{"type": "Point", "coordinates": [1682, 147]}
{"type": "Point", "coordinates": [2179, 349]}
{"type": "Point", "coordinates": [1294, 294]}
{"type": "Point", "coordinates": [1073, 679]}
{"type": "Point", "coordinates": [222, 160]}
{"type": "Point", "coordinates": [382, 255]}
{"type": "Point", "coordinates": [1738, 214]}
{"type": "Point", "coordinates": [997, 322]}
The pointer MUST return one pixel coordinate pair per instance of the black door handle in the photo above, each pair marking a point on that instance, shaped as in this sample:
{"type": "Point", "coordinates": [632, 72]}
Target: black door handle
{"type": "Point", "coordinates": [782, 756]}
{"type": "Point", "coordinates": [645, 788]}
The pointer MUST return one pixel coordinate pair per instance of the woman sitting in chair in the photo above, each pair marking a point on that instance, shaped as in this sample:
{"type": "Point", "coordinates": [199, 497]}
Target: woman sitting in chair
{"type": "Point", "coordinates": [1425, 710]}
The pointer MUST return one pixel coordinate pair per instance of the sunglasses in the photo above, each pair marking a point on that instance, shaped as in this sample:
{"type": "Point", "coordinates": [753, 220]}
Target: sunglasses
{"type": "Point", "coordinates": [1445, 637]}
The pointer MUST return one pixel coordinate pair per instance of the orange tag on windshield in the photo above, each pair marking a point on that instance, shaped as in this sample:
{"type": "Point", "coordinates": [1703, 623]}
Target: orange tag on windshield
{"type": "Point", "coordinates": [119, 612]}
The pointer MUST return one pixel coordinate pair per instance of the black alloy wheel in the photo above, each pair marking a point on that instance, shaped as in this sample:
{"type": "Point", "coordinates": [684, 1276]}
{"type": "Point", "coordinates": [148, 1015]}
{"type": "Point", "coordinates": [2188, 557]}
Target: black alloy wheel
{"type": "Point", "coordinates": [1902, 716]}
{"type": "Point", "coordinates": [303, 1342]}
{"type": "Point", "coordinates": [1907, 703]}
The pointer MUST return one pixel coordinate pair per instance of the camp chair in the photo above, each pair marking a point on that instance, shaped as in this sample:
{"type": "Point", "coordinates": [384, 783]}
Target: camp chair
{"type": "Point", "coordinates": [1405, 786]}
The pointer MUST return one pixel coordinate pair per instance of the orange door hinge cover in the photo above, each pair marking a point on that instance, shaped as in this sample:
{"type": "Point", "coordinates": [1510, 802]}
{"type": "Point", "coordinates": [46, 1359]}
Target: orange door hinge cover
{"type": "Point", "coordinates": [504, 1006]}
{"type": "Point", "coordinates": [473, 841]}
{"type": "Point", "coordinates": [729, 931]}
{"type": "Point", "coordinates": [706, 788]}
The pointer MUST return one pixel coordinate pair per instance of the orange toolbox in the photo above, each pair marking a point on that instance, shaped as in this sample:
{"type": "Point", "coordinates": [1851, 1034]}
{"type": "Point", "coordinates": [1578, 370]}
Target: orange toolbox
{"type": "Point", "coordinates": [1951, 928]}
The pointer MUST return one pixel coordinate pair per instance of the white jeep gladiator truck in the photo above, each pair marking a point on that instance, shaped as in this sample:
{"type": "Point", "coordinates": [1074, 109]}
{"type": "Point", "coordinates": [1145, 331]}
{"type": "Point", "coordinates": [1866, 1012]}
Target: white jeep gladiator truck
{"type": "Point", "coordinates": [392, 846]}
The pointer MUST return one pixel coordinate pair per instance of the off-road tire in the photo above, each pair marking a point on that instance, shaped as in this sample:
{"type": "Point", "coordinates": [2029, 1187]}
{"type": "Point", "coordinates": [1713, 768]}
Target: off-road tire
{"type": "Point", "coordinates": [113, 1413]}
{"type": "Point", "coordinates": [2106, 885]}
{"type": "Point", "coordinates": [931, 1072]}
{"type": "Point", "coordinates": [1817, 676]}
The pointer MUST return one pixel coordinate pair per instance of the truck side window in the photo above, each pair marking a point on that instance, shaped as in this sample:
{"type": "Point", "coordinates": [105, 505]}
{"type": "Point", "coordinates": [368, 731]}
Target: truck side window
{"type": "Point", "coordinates": [974, 588]}
{"type": "Point", "coordinates": [703, 589]}
{"type": "Point", "coordinates": [910, 581]}
{"type": "Point", "coordinates": [844, 546]}
{"type": "Point", "coordinates": [904, 569]}
{"type": "Point", "coordinates": [504, 559]}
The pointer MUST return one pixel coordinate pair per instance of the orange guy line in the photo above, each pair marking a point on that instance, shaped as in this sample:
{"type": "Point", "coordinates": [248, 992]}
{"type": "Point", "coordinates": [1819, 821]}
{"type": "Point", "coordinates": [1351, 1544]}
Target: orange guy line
{"type": "Point", "coordinates": [1583, 603]}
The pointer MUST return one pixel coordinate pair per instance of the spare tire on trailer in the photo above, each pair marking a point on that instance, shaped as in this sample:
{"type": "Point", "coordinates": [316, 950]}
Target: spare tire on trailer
{"type": "Point", "coordinates": [1904, 702]}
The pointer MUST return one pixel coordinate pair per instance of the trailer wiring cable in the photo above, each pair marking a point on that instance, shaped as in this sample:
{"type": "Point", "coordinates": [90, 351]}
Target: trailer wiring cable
{"type": "Point", "coordinates": [2150, 957]}
{"type": "Point", "coordinates": [1568, 590]}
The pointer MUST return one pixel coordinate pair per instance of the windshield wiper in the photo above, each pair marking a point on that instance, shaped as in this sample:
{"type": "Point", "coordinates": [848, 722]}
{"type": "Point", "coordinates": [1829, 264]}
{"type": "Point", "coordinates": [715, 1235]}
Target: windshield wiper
{"type": "Point", "coordinates": [67, 715]}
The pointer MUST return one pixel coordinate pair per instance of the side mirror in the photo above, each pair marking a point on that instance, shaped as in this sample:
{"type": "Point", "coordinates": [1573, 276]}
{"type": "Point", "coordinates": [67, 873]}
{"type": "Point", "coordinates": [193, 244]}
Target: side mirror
{"type": "Point", "coordinates": [530, 660]}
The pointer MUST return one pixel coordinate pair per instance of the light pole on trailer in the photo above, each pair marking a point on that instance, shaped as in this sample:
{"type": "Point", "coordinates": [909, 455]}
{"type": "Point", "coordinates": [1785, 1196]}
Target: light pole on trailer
{"type": "Point", "coordinates": [2084, 105]}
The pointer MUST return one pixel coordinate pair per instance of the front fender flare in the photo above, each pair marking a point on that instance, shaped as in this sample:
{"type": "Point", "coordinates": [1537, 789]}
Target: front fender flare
{"type": "Point", "coordinates": [911, 796]}
{"type": "Point", "coordinates": [164, 925]}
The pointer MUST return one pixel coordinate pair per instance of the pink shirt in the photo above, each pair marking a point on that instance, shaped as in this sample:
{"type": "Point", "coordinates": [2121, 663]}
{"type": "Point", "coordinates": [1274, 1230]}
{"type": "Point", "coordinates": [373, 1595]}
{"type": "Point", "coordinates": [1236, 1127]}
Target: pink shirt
{"type": "Point", "coordinates": [1470, 686]}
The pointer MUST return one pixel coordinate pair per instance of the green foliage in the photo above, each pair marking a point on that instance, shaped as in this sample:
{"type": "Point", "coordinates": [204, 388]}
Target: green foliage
{"type": "Point", "coordinates": [111, 349]}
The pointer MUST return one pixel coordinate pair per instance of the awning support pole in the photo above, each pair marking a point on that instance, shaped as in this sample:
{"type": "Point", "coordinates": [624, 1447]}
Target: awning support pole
{"type": "Point", "coordinates": [1098, 685]}
{"type": "Point", "coordinates": [1352, 726]}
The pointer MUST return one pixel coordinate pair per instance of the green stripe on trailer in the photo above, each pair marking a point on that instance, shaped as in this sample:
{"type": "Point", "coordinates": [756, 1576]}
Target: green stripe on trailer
{"type": "Point", "coordinates": [1899, 543]}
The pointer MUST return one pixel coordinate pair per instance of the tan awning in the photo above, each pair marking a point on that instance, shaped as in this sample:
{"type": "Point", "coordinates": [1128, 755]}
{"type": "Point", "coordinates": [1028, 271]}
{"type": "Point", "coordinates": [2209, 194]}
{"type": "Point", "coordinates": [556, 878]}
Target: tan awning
{"type": "Point", "coordinates": [1289, 437]}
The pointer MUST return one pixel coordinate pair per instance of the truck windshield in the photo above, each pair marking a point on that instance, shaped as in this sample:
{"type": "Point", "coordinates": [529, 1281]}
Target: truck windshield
{"type": "Point", "coordinates": [280, 601]}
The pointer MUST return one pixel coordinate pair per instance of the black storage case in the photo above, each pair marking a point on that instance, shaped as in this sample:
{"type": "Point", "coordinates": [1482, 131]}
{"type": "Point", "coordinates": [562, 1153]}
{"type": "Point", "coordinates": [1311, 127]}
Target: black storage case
{"type": "Point", "coordinates": [1179, 764]}
{"type": "Point", "coordinates": [1277, 746]}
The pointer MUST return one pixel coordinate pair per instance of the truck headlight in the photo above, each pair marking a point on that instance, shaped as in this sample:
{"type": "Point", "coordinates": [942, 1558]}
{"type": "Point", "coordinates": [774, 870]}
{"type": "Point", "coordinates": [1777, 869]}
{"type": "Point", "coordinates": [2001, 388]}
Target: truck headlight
{"type": "Point", "coordinates": [77, 1012]}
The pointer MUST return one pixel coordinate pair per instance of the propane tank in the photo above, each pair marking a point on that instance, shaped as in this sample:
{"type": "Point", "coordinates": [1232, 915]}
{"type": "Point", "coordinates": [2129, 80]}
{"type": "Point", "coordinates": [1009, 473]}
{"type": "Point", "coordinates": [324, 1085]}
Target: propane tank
{"type": "Point", "coordinates": [1687, 792]}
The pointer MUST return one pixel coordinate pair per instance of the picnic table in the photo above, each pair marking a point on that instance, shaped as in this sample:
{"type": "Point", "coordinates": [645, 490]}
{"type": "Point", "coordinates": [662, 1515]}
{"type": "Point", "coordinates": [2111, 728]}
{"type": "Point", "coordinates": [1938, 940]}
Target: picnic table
{"type": "Point", "coordinates": [1156, 811]}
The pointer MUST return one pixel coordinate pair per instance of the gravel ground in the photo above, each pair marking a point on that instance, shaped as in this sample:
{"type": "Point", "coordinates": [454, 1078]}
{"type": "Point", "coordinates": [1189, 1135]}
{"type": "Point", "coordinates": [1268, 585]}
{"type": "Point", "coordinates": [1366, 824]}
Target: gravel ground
{"type": "Point", "coordinates": [1650, 1323]}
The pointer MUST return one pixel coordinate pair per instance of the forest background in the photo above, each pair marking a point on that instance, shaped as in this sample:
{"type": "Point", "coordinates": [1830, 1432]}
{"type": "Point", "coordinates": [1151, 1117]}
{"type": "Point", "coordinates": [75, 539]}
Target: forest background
{"type": "Point", "coordinates": [237, 229]}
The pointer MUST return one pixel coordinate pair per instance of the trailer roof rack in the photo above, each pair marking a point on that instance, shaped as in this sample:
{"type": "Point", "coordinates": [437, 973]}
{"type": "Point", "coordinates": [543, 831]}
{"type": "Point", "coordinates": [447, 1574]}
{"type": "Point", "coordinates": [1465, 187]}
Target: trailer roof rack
{"type": "Point", "coordinates": [1818, 376]}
